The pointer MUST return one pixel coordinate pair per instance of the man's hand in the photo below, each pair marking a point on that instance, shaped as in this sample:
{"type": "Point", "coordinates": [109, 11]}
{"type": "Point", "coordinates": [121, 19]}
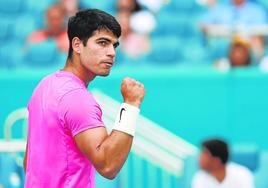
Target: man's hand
{"type": "Point", "coordinates": [132, 91]}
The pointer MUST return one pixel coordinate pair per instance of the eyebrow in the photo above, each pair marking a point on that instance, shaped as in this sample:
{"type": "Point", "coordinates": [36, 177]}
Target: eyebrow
{"type": "Point", "coordinates": [108, 40]}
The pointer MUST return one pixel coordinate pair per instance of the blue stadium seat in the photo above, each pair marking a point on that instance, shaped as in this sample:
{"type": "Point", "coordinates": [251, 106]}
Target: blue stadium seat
{"type": "Point", "coordinates": [24, 25]}
{"type": "Point", "coordinates": [195, 52]}
{"type": "Point", "coordinates": [42, 54]}
{"type": "Point", "coordinates": [10, 6]}
{"type": "Point", "coordinates": [10, 54]}
{"type": "Point", "coordinates": [5, 28]}
{"type": "Point", "coordinates": [108, 6]}
{"type": "Point", "coordinates": [218, 48]}
{"type": "Point", "coordinates": [175, 24]}
{"type": "Point", "coordinates": [264, 3]}
{"type": "Point", "coordinates": [37, 9]}
{"type": "Point", "coordinates": [246, 155]}
{"type": "Point", "coordinates": [165, 50]}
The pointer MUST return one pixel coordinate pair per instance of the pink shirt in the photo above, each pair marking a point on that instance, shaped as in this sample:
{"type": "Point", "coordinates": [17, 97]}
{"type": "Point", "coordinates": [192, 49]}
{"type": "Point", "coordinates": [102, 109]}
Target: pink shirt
{"type": "Point", "coordinates": [60, 108]}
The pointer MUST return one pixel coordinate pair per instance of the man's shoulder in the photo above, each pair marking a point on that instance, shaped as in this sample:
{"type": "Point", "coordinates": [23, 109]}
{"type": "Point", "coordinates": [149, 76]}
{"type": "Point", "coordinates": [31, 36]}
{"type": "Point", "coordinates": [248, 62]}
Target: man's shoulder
{"type": "Point", "coordinates": [61, 83]}
{"type": "Point", "coordinates": [202, 179]}
{"type": "Point", "coordinates": [201, 175]}
{"type": "Point", "coordinates": [239, 169]}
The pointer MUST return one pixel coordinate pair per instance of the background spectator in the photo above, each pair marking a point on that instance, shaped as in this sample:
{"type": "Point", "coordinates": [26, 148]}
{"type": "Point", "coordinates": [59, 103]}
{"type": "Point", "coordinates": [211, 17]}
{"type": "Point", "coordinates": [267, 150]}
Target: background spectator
{"type": "Point", "coordinates": [55, 29]}
{"type": "Point", "coordinates": [216, 171]}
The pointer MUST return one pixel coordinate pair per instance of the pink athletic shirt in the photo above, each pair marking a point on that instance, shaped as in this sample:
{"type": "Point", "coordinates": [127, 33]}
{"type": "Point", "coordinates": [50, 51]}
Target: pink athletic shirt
{"type": "Point", "coordinates": [60, 108]}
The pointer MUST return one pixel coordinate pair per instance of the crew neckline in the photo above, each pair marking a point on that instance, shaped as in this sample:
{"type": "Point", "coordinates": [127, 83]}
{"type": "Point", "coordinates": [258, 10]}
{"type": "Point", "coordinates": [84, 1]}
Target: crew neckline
{"type": "Point", "coordinates": [72, 75]}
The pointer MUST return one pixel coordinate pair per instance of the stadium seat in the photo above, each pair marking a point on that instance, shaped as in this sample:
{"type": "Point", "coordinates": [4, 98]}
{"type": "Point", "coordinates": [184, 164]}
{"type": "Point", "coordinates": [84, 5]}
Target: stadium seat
{"type": "Point", "coordinates": [8, 57]}
{"type": "Point", "coordinates": [246, 155]}
{"type": "Point", "coordinates": [10, 6]}
{"type": "Point", "coordinates": [23, 27]}
{"type": "Point", "coordinates": [175, 24]}
{"type": "Point", "coordinates": [42, 54]}
{"type": "Point", "coordinates": [165, 50]}
{"type": "Point", "coordinates": [264, 3]}
{"type": "Point", "coordinates": [5, 27]}
{"type": "Point", "coordinates": [108, 6]}
{"type": "Point", "coordinates": [195, 52]}
{"type": "Point", "coordinates": [37, 9]}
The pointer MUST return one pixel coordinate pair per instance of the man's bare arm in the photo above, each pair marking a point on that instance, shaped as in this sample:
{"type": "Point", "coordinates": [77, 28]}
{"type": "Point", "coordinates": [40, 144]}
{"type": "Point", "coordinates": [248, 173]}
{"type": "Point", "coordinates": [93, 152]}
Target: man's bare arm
{"type": "Point", "coordinates": [109, 152]}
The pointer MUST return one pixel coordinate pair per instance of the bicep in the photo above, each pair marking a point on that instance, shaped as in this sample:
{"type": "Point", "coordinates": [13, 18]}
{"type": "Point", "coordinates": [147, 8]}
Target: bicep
{"type": "Point", "coordinates": [89, 142]}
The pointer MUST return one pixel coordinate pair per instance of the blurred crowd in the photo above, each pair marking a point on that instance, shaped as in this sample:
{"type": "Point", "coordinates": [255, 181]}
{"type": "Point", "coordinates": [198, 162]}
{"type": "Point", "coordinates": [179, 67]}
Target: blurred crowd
{"type": "Point", "coordinates": [220, 33]}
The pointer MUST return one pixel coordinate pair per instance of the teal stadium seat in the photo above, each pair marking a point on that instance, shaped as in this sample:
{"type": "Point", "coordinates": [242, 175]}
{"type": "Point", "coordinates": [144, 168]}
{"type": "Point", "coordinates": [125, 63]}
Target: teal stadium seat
{"type": "Point", "coordinates": [42, 54]}
{"type": "Point", "coordinates": [37, 9]}
{"type": "Point", "coordinates": [5, 28]}
{"type": "Point", "coordinates": [174, 24]}
{"type": "Point", "coordinates": [165, 50]}
{"type": "Point", "coordinates": [108, 6]}
{"type": "Point", "coordinates": [179, 6]}
{"type": "Point", "coordinates": [23, 27]}
{"type": "Point", "coordinates": [10, 54]}
{"type": "Point", "coordinates": [10, 7]}
{"type": "Point", "coordinates": [264, 3]}
{"type": "Point", "coordinates": [195, 52]}
{"type": "Point", "coordinates": [247, 155]}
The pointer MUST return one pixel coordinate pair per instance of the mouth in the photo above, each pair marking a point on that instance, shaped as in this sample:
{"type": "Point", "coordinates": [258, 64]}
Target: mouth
{"type": "Point", "coordinates": [108, 64]}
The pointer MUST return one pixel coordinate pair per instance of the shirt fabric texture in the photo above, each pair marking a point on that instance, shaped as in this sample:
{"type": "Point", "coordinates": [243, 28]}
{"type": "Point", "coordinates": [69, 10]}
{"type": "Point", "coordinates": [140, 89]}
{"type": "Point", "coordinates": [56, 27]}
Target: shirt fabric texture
{"type": "Point", "coordinates": [60, 108]}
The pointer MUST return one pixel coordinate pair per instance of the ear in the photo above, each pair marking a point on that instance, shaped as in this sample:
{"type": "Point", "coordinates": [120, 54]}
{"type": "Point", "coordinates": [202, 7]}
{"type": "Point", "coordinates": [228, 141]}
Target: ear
{"type": "Point", "coordinates": [76, 44]}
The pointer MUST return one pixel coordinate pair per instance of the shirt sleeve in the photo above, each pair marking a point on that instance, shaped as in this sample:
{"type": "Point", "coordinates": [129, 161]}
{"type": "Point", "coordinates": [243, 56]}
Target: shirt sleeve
{"type": "Point", "coordinates": [79, 111]}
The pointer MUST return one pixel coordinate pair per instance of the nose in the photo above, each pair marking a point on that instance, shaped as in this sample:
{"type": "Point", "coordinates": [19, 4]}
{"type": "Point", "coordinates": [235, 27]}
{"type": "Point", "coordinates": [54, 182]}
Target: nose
{"type": "Point", "coordinates": [111, 51]}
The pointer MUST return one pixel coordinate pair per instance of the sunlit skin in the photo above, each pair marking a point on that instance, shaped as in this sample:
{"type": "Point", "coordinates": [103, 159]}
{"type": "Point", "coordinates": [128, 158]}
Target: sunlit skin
{"type": "Point", "coordinates": [55, 20]}
{"type": "Point", "coordinates": [96, 58]}
{"type": "Point", "coordinates": [239, 55]}
{"type": "Point", "coordinates": [239, 2]}
{"type": "Point", "coordinates": [212, 165]}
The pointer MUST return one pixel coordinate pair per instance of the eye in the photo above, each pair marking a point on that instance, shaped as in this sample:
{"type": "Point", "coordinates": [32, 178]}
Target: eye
{"type": "Point", "coordinates": [103, 43]}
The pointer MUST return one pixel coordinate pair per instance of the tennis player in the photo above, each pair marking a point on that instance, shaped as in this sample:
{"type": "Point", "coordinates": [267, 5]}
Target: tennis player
{"type": "Point", "coordinates": [67, 139]}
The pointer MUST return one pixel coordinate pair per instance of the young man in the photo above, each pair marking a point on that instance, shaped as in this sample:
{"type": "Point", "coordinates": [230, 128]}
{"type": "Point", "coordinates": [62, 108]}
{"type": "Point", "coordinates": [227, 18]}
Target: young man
{"type": "Point", "coordinates": [67, 140]}
{"type": "Point", "coordinates": [216, 172]}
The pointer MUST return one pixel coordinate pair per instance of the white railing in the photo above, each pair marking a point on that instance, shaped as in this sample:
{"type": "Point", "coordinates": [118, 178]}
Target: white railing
{"type": "Point", "coordinates": [152, 142]}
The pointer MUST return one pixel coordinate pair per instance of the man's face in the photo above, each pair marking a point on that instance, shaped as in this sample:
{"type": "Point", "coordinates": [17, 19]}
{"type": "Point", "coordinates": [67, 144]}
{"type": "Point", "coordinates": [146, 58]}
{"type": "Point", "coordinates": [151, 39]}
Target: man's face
{"type": "Point", "coordinates": [238, 2]}
{"type": "Point", "coordinates": [99, 53]}
{"type": "Point", "coordinates": [55, 20]}
{"type": "Point", "coordinates": [205, 160]}
{"type": "Point", "coordinates": [239, 55]}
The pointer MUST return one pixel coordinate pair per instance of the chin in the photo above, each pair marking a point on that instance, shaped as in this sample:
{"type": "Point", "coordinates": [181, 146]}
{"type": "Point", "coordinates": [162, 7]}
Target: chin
{"type": "Point", "coordinates": [104, 74]}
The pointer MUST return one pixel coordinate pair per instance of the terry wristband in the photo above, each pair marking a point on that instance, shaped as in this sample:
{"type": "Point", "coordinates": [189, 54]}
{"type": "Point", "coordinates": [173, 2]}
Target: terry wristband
{"type": "Point", "coordinates": [126, 119]}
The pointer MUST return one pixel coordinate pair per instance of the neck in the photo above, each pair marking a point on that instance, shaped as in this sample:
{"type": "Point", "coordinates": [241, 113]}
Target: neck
{"type": "Point", "coordinates": [74, 66]}
{"type": "Point", "coordinates": [219, 173]}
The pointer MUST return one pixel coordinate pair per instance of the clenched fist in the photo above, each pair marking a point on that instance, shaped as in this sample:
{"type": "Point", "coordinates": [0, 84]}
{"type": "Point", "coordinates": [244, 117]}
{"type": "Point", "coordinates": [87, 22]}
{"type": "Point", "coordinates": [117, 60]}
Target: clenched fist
{"type": "Point", "coordinates": [132, 91]}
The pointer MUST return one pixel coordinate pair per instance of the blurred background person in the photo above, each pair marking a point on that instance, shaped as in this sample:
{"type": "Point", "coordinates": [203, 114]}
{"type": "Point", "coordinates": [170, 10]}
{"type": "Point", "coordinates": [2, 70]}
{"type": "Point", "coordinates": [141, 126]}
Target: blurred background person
{"type": "Point", "coordinates": [70, 7]}
{"type": "Point", "coordinates": [239, 55]}
{"type": "Point", "coordinates": [132, 44]}
{"type": "Point", "coordinates": [236, 13]}
{"type": "Point", "coordinates": [137, 24]}
{"type": "Point", "coordinates": [222, 21]}
{"type": "Point", "coordinates": [55, 30]}
{"type": "Point", "coordinates": [216, 170]}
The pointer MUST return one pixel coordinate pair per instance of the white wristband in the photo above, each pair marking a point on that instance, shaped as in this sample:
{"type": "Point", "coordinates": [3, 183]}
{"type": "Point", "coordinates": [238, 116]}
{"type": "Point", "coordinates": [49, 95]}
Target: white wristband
{"type": "Point", "coordinates": [126, 119]}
